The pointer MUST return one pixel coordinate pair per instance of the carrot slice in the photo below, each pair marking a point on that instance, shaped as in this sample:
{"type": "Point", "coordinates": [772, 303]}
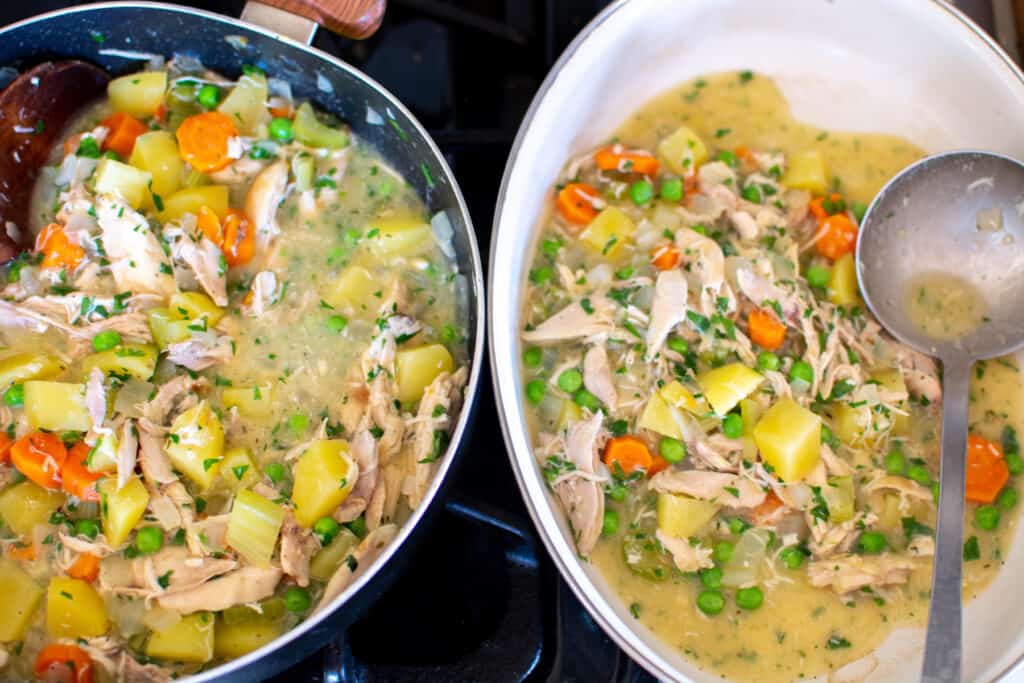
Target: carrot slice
{"type": "Point", "coordinates": [836, 236]}
{"type": "Point", "coordinates": [76, 478]}
{"type": "Point", "coordinates": [85, 567]}
{"type": "Point", "coordinates": [24, 553]}
{"type": "Point", "coordinates": [745, 155]}
{"type": "Point", "coordinates": [987, 471]}
{"type": "Point", "coordinates": [40, 457]}
{"type": "Point", "coordinates": [203, 140]}
{"type": "Point", "coordinates": [665, 257]}
{"type": "Point", "coordinates": [765, 329]}
{"type": "Point", "coordinates": [618, 158]}
{"type": "Point", "coordinates": [576, 203]}
{"type": "Point", "coordinates": [629, 452]}
{"type": "Point", "coordinates": [764, 512]}
{"type": "Point", "coordinates": [59, 252]}
{"type": "Point", "coordinates": [239, 238]}
{"type": "Point", "coordinates": [209, 224]}
{"type": "Point", "coordinates": [124, 130]}
{"type": "Point", "coordinates": [5, 447]}
{"type": "Point", "coordinates": [817, 206]}
{"type": "Point", "coordinates": [691, 185]}
{"type": "Point", "coordinates": [658, 464]}
{"type": "Point", "coordinates": [161, 113]}
{"type": "Point", "coordinates": [59, 662]}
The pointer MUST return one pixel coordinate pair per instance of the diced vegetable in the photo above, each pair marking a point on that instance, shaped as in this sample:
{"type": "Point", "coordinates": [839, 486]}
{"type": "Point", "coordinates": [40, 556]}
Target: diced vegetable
{"type": "Point", "coordinates": [765, 329]}
{"type": "Point", "coordinates": [838, 495]}
{"type": "Point", "coordinates": [987, 471]}
{"type": "Point", "coordinates": [76, 479]}
{"type": "Point", "coordinates": [628, 454]}
{"type": "Point", "coordinates": [352, 288]}
{"type": "Point", "coordinates": [608, 232]}
{"type": "Point", "coordinates": [892, 380]}
{"type": "Point", "coordinates": [311, 132]}
{"type": "Point", "coordinates": [195, 306]}
{"type": "Point", "coordinates": [253, 527]}
{"type": "Point", "coordinates": [238, 469]}
{"type": "Point", "coordinates": [618, 158]}
{"type": "Point", "coordinates": [189, 199]}
{"type": "Point", "coordinates": [576, 202]}
{"type": "Point", "coordinates": [322, 480]}
{"type": "Point", "coordinates": [58, 250]}
{"type": "Point", "coordinates": [750, 411]}
{"type": "Point", "coordinates": [726, 386]}
{"type": "Point", "coordinates": [195, 444]}
{"type": "Point", "coordinates": [640, 552]}
{"type": "Point", "coordinates": [124, 130]}
{"type": "Point", "coordinates": [157, 153]}
{"type": "Point", "coordinates": [74, 609]}
{"type": "Point", "coordinates": [789, 438]}
{"type": "Point", "coordinates": [21, 597]}
{"type": "Point", "coordinates": [857, 425]}
{"type": "Point", "coordinates": [806, 171]}
{"type": "Point", "coordinates": [658, 417]}
{"type": "Point", "coordinates": [836, 237]}
{"type": "Point", "coordinates": [236, 639]}
{"type": "Point", "coordinates": [63, 662]}
{"type": "Point", "coordinates": [19, 367]}
{"type": "Point", "coordinates": [416, 368]}
{"type": "Point", "coordinates": [843, 289]}
{"type": "Point", "coordinates": [255, 401]}
{"type": "Point", "coordinates": [682, 517]}
{"type": "Point", "coordinates": [128, 182]}
{"type": "Point", "coordinates": [399, 236]}
{"type": "Point", "coordinates": [304, 170]}
{"type": "Point", "coordinates": [205, 139]}
{"type": "Point", "coordinates": [26, 505]}
{"type": "Point", "coordinates": [744, 567]}
{"type": "Point", "coordinates": [188, 640]}
{"type": "Point", "coordinates": [167, 326]}
{"type": "Point", "coordinates": [126, 360]}
{"type": "Point", "coordinates": [138, 94]}
{"type": "Point", "coordinates": [86, 567]}
{"type": "Point", "coordinates": [683, 151]}
{"type": "Point", "coordinates": [327, 561]}
{"type": "Point", "coordinates": [121, 509]}
{"type": "Point", "coordinates": [246, 105]}
{"type": "Point", "coordinates": [570, 412]}
{"type": "Point", "coordinates": [675, 394]}
{"type": "Point", "coordinates": [56, 406]}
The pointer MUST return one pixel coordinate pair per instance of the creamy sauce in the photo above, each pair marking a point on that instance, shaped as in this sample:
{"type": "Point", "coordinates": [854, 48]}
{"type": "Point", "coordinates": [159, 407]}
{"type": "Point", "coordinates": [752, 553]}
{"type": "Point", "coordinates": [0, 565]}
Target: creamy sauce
{"type": "Point", "coordinates": [943, 306]}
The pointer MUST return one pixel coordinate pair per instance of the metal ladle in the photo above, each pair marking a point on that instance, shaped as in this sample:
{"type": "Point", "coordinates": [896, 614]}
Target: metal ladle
{"type": "Point", "coordinates": [925, 220]}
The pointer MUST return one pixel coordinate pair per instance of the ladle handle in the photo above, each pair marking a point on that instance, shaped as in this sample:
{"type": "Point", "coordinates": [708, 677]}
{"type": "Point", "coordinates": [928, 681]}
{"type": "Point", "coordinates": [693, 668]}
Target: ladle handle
{"type": "Point", "coordinates": [351, 18]}
{"type": "Point", "coordinates": [944, 643]}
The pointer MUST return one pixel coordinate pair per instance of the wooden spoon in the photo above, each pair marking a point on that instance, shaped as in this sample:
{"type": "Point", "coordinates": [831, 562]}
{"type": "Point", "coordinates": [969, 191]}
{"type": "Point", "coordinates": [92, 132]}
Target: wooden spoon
{"type": "Point", "coordinates": [34, 110]}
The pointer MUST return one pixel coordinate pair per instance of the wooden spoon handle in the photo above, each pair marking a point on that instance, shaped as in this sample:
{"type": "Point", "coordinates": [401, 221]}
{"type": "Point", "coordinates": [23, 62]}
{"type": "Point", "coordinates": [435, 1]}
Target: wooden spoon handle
{"type": "Point", "coordinates": [351, 18]}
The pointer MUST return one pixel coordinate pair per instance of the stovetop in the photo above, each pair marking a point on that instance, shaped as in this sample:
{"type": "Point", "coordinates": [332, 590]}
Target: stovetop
{"type": "Point", "coordinates": [480, 599]}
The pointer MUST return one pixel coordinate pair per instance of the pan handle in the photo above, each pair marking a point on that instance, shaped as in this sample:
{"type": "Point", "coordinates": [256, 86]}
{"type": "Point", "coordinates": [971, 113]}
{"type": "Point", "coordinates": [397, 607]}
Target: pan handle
{"type": "Point", "coordinates": [351, 18]}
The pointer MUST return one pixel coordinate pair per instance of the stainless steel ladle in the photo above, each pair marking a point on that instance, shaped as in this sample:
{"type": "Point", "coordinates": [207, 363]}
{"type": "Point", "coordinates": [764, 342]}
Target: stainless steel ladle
{"type": "Point", "coordinates": [925, 220]}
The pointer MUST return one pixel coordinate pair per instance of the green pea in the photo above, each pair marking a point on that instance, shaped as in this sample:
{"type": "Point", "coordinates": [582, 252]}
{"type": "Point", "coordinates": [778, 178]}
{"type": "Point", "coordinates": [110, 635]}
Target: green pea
{"type": "Point", "coordinates": [535, 391]}
{"type": "Point", "coordinates": [298, 422]}
{"type": "Point", "coordinates": [710, 601]}
{"type": "Point", "coordinates": [641, 192]}
{"type": "Point", "coordinates": [749, 598]}
{"type": "Point", "coordinates": [337, 323]}
{"type": "Point", "coordinates": [208, 96]}
{"type": "Point", "coordinates": [673, 450]}
{"type": "Point", "coordinates": [986, 517]}
{"type": "Point", "coordinates": [802, 371]}
{"type": "Point", "coordinates": [737, 525]}
{"type": "Point", "coordinates": [678, 344]}
{"type": "Point", "coordinates": [570, 381]}
{"type": "Point", "coordinates": [326, 528]}
{"type": "Point", "coordinates": [792, 557]}
{"type": "Point", "coordinates": [919, 473]}
{"type": "Point", "coordinates": [610, 525]}
{"type": "Point", "coordinates": [711, 577]}
{"type": "Point", "coordinates": [280, 129]}
{"type": "Point", "coordinates": [148, 540]}
{"type": "Point", "coordinates": [88, 147]}
{"type": "Point", "coordinates": [766, 360]}
{"type": "Point", "coordinates": [106, 340]}
{"type": "Point", "coordinates": [1014, 463]}
{"type": "Point", "coordinates": [358, 526]}
{"type": "Point", "coordinates": [723, 551]}
{"type": "Point", "coordinates": [533, 356]}
{"type": "Point", "coordinates": [89, 528]}
{"type": "Point", "coordinates": [275, 471]}
{"type": "Point", "coordinates": [895, 463]}
{"type": "Point", "coordinates": [1007, 498]}
{"type": "Point", "coordinates": [859, 209]}
{"type": "Point", "coordinates": [672, 189]}
{"type": "Point", "coordinates": [539, 276]}
{"type": "Point", "coordinates": [753, 193]}
{"type": "Point", "coordinates": [871, 543]}
{"type": "Point", "coordinates": [15, 396]}
{"type": "Point", "coordinates": [618, 493]}
{"type": "Point", "coordinates": [818, 276]}
{"type": "Point", "coordinates": [585, 399]}
{"type": "Point", "coordinates": [732, 426]}
{"type": "Point", "coordinates": [727, 156]}
{"type": "Point", "coordinates": [296, 600]}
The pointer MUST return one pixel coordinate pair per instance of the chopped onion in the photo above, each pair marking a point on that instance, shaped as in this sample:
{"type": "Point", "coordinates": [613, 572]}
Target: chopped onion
{"type": "Point", "coordinates": [444, 233]}
{"type": "Point", "coordinates": [373, 117]}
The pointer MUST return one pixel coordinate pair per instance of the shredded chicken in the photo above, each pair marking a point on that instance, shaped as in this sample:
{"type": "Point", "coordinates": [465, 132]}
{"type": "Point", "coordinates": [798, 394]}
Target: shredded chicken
{"type": "Point", "coordinates": [575, 321]}
{"type": "Point", "coordinates": [726, 489]}
{"type": "Point", "coordinates": [238, 587]}
{"type": "Point", "coordinates": [581, 496]}
{"type": "Point", "coordinates": [687, 557]}
{"type": "Point", "coordinates": [847, 573]}
{"type": "Point", "coordinates": [298, 545]}
{"type": "Point", "coordinates": [202, 351]}
{"type": "Point", "coordinates": [137, 261]}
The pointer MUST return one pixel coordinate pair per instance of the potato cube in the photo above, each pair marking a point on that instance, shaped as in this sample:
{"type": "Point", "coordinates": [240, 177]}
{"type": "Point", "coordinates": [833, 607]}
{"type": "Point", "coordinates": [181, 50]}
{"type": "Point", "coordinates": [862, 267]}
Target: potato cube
{"type": "Point", "coordinates": [843, 289]}
{"type": "Point", "coordinates": [167, 327]}
{"type": "Point", "coordinates": [103, 456]}
{"type": "Point", "coordinates": [252, 401]}
{"type": "Point", "coordinates": [233, 640]}
{"type": "Point", "coordinates": [682, 517]}
{"type": "Point", "coordinates": [400, 236]}
{"type": "Point", "coordinates": [322, 480]}
{"type": "Point", "coordinates": [892, 380]}
{"type": "Point", "coordinates": [121, 510]}
{"type": "Point", "coordinates": [26, 505]}
{"type": "Point", "coordinates": [189, 639]}
{"type": "Point", "coordinates": [74, 609]}
{"type": "Point", "coordinates": [806, 171]}
{"type": "Point", "coordinates": [658, 417]}
{"type": "Point", "coordinates": [20, 367]}
{"type": "Point", "coordinates": [416, 368]}
{"type": "Point", "coordinates": [683, 151]}
{"type": "Point", "coordinates": [726, 386]}
{"type": "Point", "coordinates": [789, 438]}
{"type": "Point", "coordinates": [253, 527]}
{"type": "Point", "coordinates": [56, 406]}
{"type": "Point", "coordinates": [196, 306]}
{"type": "Point", "coordinates": [354, 289]}
{"type": "Point", "coordinates": [138, 94]}
{"type": "Point", "coordinates": [838, 495]}
{"type": "Point", "coordinates": [608, 232]}
{"type": "Point", "coordinates": [126, 360]}
{"type": "Point", "coordinates": [195, 444]}
{"type": "Point", "coordinates": [238, 469]}
{"type": "Point", "coordinates": [157, 153]}
{"type": "Point", "coordinates": [128, 182]}
{"type": "Point", "coordinates": [854, 425]}
{"type": "Point", "coordinates": [21, 597]}
{"type": "Point", "coordinates": [246, 104]}
{"type": "Point", "coordinates": [675, 394]}
{"type": "Point", "coordinates": [189, 199]}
